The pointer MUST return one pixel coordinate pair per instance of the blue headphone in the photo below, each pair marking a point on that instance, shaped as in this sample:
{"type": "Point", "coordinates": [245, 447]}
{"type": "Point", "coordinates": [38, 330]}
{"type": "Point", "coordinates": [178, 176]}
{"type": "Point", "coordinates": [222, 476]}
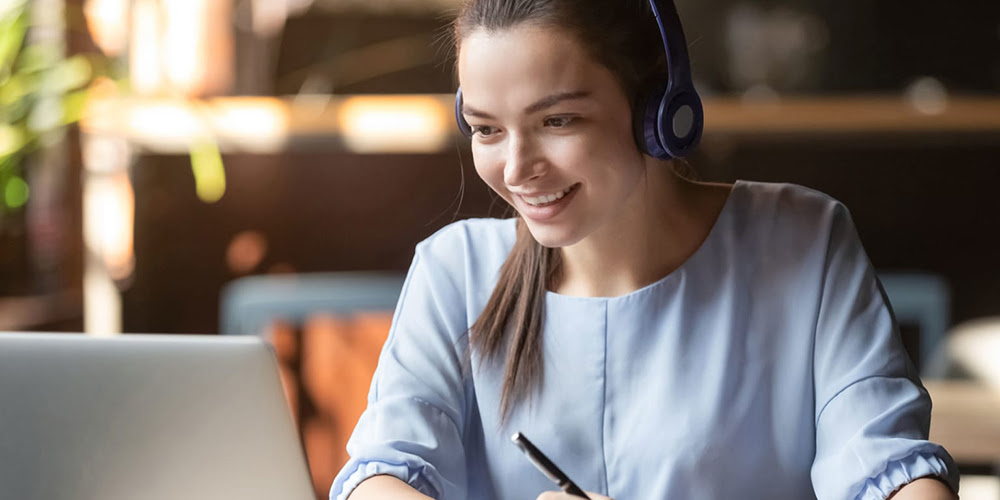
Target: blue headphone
{"type": "Point", "coordinates": [668, 118]}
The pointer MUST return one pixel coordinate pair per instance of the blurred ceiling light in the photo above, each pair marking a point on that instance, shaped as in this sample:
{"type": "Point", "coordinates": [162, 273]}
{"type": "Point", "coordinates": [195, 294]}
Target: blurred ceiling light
{"type": "Point", "coordinates": [260, 124]}
{"type": "Point", "coordinates": [99, 114]}
{"type": "Point", "coordinates": [252, 124]}
{"type": "Point", "coordinates": [412, 124]}
{"type": "Point", "coordinates": [102, 304]}
{"type": "Point", "coordinates": [368, 124]}
{"type": "Point", "coordinates": [927, 95]}
{"type": "Point", "coordinates": [107, 21]}
{"type": "Point", "coordinates": [169, 122]}
{"type": "Point", "coordinates": [311, 105]}
{"type": "Point", "coordinates": [269, 16]}
{"type": "Point", "coordinates": [102, 87]}
{"type": "Point", "coordinates": [181, 47]}
{"type": "Point", "coordinates": [105, 153]}
{"type": "Point", "coordinates": [184, 41]}
{"type": "Point", "coordinates": [109, 208]}
{"type": "Point", "coordinates": [395, 6]}
{"type": "Point", "coordinates": [198, 46]}
{"type": "Point", "coordinates": [108, 217]}
{"type": "Point", "coordinates": [144, 50]}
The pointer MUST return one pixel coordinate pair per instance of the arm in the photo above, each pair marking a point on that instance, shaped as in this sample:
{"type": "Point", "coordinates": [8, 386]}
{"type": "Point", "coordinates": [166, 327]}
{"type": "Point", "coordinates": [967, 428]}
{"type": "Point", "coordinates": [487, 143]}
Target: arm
{"type": "Point", "coordinates": [872, 414]}
{"type": "Point", "coordinates": [385, 487]}
{"type": "Point", "coordinates": [924, 489]}
{"type": "Point", "coordinates": [413, 426]}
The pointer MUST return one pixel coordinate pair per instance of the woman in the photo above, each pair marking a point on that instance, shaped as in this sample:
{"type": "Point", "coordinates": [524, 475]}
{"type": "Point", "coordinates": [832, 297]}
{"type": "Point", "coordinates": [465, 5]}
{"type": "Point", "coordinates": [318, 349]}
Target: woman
{"type": "Point", "coordinates": [658, 338]}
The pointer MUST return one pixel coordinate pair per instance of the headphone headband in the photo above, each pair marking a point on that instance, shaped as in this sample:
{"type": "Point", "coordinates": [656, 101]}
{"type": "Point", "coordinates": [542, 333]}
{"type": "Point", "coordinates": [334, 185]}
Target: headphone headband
{"type": "Point", "coordinates": [674, 42]}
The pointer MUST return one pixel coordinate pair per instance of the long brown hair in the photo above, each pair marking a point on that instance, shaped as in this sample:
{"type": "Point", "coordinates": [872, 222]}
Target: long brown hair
{"type": "Point", "coordinates": [619, 34]}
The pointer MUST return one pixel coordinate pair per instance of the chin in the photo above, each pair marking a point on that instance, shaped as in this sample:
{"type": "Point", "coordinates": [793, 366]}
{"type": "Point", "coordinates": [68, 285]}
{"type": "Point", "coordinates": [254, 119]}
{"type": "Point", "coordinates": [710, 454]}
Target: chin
{"type": "Point", "coordinates": [552, 237]}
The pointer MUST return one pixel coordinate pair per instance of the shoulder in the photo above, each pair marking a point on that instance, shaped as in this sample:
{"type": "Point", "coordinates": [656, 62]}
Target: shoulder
{"type": "Point", "coordinates": [788, 198]}
{"type": "Point", "coordinates": [482, 240]}
{"type": "Point", "coordinates": [468, 253]}
{"type": "Point", "coordinates": [782, 228]}
{"type": "Point", "coordinates": [786, 208]}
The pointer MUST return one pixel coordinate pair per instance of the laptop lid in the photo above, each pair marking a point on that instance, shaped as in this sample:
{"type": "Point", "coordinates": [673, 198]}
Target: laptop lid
{"type": "Point", "coordinates": [152, 417]}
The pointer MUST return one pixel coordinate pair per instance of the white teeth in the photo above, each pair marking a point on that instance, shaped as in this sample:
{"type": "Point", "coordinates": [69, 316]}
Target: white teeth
{"type": "Point", "coordinates": [549, 198]}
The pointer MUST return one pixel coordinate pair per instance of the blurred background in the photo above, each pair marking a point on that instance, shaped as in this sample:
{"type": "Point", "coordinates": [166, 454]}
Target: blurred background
{"type": "Point", "coordinates": [266, 167]}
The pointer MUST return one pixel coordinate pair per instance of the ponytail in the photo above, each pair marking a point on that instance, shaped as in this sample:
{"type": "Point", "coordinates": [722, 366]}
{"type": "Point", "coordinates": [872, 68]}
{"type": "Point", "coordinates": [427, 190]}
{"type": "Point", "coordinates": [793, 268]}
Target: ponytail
{"type": "Point", "coordinates": [511, 324]}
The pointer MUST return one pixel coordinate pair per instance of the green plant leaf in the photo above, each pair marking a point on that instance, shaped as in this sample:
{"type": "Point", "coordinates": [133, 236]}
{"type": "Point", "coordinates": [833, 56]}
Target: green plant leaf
{"type": "Point", "coordinates": [38, 58]}
{"type": "Point", "coordinates": [15, 192]}
{"type": "Point", "coordinates": [209, 174]}
{"type": "Point", "coordinates": [17, 111]}
{"type": "Point", "coordinates": [46, 115]}
{"type": "Point", "coordinates": [73, 104]}
{"type": "Point", "coordinates": [8, 163]}
{"type": "Point", "coordinates": [17, 87]}
{"type": "Point", "coordinates": [12, 139]}
{"type": "Point", "coordinates": [13, 26]}
{"type": "Point", "coordinates": [11, 7]}
{"type": "Point", "coordinates": [66, 75]}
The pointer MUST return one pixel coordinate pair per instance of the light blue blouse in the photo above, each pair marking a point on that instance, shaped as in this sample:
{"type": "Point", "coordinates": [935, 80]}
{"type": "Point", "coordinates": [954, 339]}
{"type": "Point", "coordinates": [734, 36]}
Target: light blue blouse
{"type": "Point", "coordinates": [767, 366]}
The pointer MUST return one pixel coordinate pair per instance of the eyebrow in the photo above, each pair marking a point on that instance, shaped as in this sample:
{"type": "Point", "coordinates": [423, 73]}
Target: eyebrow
{"type": "Point", "coordinates": [539, 105]}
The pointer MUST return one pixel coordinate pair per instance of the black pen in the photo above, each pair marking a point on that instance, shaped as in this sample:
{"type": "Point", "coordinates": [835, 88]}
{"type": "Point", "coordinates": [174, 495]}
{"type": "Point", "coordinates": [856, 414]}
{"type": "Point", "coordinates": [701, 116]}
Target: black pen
{"type": "Point", "coordinates": [546, 466]}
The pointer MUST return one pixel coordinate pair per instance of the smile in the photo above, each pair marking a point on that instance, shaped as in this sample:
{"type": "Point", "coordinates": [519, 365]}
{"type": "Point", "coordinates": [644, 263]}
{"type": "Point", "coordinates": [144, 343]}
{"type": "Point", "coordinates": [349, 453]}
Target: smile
{"type": "Point", "coordinates": [545, 207]}
{"type": "Point", "coordinates": [546, 198]}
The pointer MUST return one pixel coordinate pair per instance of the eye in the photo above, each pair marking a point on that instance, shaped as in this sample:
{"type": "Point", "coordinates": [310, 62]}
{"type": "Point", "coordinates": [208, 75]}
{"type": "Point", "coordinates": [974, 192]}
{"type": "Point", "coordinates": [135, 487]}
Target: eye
{"type": "Point", "coordinates": [483, 130]}
{"type": "Point", "coordinates": [559, 121]}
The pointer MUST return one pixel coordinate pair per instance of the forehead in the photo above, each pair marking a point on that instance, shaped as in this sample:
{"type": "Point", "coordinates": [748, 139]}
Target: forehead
{"type": "Point", "coordinates": [523, 63]}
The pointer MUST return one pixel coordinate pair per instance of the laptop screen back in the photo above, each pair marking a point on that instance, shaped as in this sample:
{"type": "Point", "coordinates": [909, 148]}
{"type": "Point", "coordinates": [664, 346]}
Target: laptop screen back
{"type": "Point", "coordinates": [145, 417]}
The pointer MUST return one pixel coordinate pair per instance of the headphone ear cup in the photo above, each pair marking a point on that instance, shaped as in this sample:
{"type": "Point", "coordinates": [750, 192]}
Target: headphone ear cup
{"type": "Point", "coordinates": [646, 122]}
{"type": "Point", "coordinates": [680, 121]}
{"type": "Point", "coordinates": [463, 125]}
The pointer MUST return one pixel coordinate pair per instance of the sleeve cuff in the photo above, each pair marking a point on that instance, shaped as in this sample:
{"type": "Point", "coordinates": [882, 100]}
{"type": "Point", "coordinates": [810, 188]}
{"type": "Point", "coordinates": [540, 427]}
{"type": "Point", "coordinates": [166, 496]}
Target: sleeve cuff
{"type": "Point", "coordinates": [365, 470]}
{"type": "Point", "coordinates": [900, 472]}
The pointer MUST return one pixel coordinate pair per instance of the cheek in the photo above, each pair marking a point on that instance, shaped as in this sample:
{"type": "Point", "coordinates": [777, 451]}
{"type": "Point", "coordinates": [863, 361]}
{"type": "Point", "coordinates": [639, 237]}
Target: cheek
{"type": "Point", "coordinates": [608, 141]}
{"type": "Point", "coordinates": [490, 168]}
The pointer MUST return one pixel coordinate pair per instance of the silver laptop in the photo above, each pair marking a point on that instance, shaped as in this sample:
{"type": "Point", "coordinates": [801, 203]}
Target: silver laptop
{"type": "Point", "coordinates": [152, 417]}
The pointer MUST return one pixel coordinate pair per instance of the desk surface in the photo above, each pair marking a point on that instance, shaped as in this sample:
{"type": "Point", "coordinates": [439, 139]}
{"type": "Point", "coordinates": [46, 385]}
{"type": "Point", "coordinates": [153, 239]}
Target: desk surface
{"type": "Point", "coordinates": [966, 420]}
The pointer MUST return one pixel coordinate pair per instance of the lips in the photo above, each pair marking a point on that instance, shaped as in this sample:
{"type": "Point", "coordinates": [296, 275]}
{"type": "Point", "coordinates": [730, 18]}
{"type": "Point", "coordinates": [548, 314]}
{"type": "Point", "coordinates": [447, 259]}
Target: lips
{"type": "Point", "coordinates": [547, 209]}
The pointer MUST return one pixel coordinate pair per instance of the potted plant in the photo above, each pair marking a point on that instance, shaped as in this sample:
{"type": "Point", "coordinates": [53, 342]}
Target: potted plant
{"type": "Point", "coordinates": [41, 92]}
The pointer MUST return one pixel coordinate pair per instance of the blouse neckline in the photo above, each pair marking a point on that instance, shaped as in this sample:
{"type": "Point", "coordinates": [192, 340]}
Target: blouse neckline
{"type": "Point", "coordinates": [709, 240]}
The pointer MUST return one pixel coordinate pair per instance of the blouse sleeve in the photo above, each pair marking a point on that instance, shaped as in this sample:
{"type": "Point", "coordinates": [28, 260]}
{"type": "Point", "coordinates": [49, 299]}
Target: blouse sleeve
{"type": "Point", "coordinates": [412, 427]}
{"type": "Point", "coordinates": [872, 413]}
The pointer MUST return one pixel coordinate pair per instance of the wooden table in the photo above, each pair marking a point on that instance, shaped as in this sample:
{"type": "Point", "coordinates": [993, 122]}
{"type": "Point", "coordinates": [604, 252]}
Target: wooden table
{"type": "Point", "coordinates": [966, 421]}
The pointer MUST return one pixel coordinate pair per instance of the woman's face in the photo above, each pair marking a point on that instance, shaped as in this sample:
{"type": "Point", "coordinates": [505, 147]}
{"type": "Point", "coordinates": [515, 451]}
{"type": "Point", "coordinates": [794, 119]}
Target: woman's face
{"type": "Point", "coordinates": [552, 131]}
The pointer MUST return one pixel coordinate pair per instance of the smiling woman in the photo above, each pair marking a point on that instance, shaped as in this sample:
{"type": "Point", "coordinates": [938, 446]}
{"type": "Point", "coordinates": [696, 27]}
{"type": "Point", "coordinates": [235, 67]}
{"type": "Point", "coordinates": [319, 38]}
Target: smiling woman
{"type": "Point", "coordinates": [658, 337]}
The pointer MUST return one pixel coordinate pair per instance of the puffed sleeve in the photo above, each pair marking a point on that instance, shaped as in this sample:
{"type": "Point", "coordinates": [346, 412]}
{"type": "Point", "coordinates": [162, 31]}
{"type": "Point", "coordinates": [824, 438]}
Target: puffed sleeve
{"type": "Point", "coordinates": [872, 413]}
{"type": "Point", "coordinates": [412, 427]}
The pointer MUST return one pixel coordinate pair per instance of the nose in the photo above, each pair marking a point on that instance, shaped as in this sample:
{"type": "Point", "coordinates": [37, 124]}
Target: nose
{"type": "Point", "coordinates": [523, 162]}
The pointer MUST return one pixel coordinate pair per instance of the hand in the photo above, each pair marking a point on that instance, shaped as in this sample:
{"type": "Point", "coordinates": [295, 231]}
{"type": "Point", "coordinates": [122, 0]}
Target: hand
{"type": "Point", "coordinates": [560, 495]}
